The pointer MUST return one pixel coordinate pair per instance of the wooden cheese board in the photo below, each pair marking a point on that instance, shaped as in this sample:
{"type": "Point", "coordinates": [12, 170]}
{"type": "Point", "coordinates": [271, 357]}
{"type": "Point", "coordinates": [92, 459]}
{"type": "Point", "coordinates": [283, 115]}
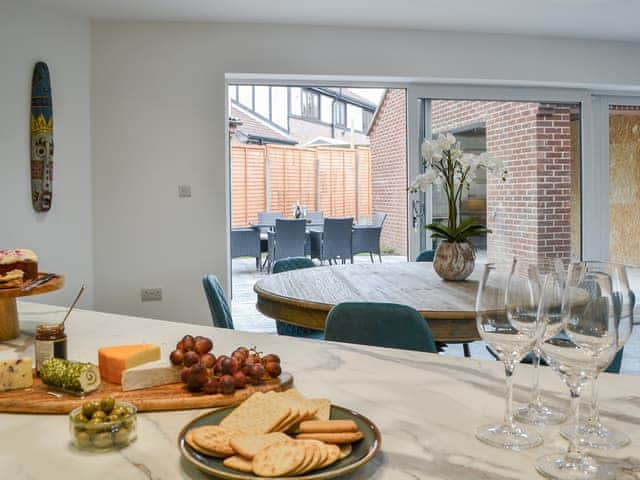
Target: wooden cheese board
{"type": "Point", "coordinates": [41, 399]}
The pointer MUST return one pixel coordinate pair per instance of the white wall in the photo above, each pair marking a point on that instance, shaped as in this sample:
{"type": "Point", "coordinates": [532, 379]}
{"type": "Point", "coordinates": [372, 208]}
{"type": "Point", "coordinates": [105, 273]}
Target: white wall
{"type": "Point", "coordinates": [63, 237]}
{"type": "Point", "coordinates": [158, 119]}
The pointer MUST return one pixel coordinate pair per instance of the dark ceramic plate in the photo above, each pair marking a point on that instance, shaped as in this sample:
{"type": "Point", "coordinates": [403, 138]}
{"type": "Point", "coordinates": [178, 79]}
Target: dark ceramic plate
{"type": "Point", "coordinates": [363, 450]}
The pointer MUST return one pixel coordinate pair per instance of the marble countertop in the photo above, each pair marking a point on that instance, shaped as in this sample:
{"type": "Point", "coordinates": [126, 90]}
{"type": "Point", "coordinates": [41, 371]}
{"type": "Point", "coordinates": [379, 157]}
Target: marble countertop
{"type": "Point", "coordinates": [427, 406]}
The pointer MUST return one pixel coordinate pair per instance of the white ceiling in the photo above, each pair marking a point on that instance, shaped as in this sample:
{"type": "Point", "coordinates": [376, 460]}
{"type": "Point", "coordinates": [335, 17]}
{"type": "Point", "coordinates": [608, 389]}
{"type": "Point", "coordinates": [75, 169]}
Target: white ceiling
{"type": "Point", "coordinates": [597, 19]}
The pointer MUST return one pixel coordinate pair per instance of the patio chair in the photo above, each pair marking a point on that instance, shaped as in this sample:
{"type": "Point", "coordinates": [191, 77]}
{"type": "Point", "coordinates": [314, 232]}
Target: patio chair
{"type": "Point", "coordinates": [287, 240]}
{"type": "Point", "coordinates": [379, 324]}
{"type": "Point", "coordinates": [268, 218]}
{"type": "Point", "coordinates": [366, 239]}
{"type": "Point", "coordinates": [426, 256]}
{"type": "Point", "coordinates": [315, 218]}
{"type": "Point", "coordinates": [284, 328]}
{"type": "Point", "coordinates": [334, 242]}
{"type": "Point", "coordinates": [220, 311]}
{"type": "Point", "coordinates": [245, 242]}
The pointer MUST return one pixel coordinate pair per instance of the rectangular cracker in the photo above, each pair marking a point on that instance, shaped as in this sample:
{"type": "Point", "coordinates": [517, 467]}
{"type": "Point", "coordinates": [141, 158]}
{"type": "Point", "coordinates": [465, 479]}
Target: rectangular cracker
{"type": "Point", "coordinates": [327, 426]}
{"type": "Point", "coordinates": [259, 413]}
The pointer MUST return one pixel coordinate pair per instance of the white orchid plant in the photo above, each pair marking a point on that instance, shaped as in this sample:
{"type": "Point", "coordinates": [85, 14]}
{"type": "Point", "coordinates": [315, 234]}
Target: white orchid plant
{"type": "Point", "coordinates": [447, 166]}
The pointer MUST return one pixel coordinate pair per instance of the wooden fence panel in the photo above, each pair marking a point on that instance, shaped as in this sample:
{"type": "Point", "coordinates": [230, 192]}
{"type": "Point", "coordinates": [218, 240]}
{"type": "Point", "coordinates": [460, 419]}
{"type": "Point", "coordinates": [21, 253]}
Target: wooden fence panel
{"type": "Point", "coordinates": [293, 174]}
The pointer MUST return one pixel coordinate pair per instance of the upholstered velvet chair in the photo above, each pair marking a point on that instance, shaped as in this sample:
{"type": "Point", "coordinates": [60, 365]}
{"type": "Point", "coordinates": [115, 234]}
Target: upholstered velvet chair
{"type": "Point", "coordinates": [379, 324]}
{"type": "Point", "coordinates": [220, 311]}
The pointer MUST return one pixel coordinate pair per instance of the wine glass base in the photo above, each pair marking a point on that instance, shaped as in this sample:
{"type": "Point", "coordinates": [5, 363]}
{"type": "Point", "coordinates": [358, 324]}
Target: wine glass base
{"type": "Point", "coordinates": [562, 467]}
{"type": "Point", "coordinates": [597, 436]}
{"type": "Point", "coordinates": [536, 414]}
{"type": "Point", "coordinates": [508, 437]}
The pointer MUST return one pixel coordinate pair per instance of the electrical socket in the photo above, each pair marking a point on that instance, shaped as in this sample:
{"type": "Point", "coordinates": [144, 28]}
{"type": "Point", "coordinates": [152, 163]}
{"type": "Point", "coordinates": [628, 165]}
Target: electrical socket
{"type": "Point", "coordinates": [184, 191]}
{"type": "Point", "coordinates": [150, 294]}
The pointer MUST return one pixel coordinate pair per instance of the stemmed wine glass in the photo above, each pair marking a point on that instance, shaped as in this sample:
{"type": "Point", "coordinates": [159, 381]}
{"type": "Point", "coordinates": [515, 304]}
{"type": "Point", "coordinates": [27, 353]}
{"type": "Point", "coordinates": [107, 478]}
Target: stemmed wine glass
{"type": "Point", "coordinates": [593, 433]}
{"type": "Point", "coordinates": [506, 321]}
{"type": "Point", "coordinates": [588, 339]}
{"type": "Point", "coordinates": [536, 412]}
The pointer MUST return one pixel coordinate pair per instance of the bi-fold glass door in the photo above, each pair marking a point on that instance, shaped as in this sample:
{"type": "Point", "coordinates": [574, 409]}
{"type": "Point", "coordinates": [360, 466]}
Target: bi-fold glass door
{"type": "Point", "coordinates": [537, 211]}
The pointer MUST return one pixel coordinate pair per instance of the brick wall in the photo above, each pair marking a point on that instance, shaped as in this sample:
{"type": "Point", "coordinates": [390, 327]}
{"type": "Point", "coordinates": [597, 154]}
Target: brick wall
{"type": "Point", "coordinates": [389, 169]}
{"type": "Point", "coordinates": [530, 214]}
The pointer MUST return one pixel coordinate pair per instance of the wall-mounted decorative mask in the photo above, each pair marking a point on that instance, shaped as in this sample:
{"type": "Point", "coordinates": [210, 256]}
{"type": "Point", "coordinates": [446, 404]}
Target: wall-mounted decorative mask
{"type": "Point", "coordinates": [41, 139]}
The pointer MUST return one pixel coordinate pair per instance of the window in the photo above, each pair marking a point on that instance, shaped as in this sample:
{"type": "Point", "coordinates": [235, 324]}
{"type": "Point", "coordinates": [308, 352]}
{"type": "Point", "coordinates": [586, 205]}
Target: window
{"type": "Point", "coordinates": [233, 92]}
{"type": "Point", "coordinates": [296, 100]}
{"type": "Point", "coordinates": [325, 108]}
{"type": "Point", "coordinates": [340, 114]}
{"type": "Point", "coordinates": [366, 119]}
{"type": "Point", "coordinates": [310, 104]}
{"type": "Point", "coordinates": [354, 117]}
{"type": "Point", "coordinates": [245, 95]}
{"type": "Point", "coordinates": [261, 100]}
{"type": "Point", "coordinates": [279, 109]}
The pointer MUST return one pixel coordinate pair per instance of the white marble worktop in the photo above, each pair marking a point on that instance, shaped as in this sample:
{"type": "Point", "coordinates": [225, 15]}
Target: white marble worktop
{"type": "Point", "coordinates": [427, 406]}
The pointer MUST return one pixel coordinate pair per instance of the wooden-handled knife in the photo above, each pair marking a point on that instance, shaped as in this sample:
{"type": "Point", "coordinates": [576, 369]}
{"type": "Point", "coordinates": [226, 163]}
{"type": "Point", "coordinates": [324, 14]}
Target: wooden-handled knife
{"type": "Point", "coordinates": [39, 281]}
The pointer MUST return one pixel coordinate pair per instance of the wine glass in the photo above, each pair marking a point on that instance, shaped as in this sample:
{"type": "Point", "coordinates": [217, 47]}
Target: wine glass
{"type": "Point", "coordinates": [536, 412]}
{"type": "Point", "coordinates": [588, 339]}
{"type": "Point", "coordinates": [593, 433]}
{"type": "Point", "coordinates": [505, 322]}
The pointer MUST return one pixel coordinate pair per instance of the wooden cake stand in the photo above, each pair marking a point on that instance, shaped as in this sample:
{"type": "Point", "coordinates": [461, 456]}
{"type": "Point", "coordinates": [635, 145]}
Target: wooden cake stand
{"type": "Point", "coordinates": [9, 326]}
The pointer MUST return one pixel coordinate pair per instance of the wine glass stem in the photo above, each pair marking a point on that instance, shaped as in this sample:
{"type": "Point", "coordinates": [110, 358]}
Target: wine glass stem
{"type": "Point", "coordinates": [508, 410]}
{"type": "Point", "coordinates": [594, 414]}
{"type": "Point", "coordinates": [536, 400]}
{"type": "Point", "coordinates": [574, 451]}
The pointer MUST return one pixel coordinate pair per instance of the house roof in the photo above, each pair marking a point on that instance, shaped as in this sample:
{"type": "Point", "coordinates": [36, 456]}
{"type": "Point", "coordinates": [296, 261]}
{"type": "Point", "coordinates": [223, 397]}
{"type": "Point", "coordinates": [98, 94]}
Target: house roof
{"type": "Point", "coordinates": [253, 129]}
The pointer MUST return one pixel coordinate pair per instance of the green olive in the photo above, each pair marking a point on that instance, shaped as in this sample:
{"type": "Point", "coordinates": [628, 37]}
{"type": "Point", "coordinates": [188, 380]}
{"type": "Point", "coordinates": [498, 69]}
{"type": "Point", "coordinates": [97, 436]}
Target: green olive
{"type": "Point", "coordinates": [129, 423]}
{"type": "Point", "coordinates": [112, 418]}
{"type": "Point", "coordinates": [102, 440]}
{"type": "Point", "coordinates": [80, 418]}
{"type": "Point", "coordinates": [88, 408]}
{"type": "Point", "coordinates": [96, 421]}
{"type": "Point", "coordinates": [121, 437]}
{"type": "Point", "coordinates": [98, 414]}
{"type": "Point", "coordinates": [119, 411]}
{"type": "Point", "coordinates": [83, 439]}
{"type": "Point", "coordinates": [107, 404]}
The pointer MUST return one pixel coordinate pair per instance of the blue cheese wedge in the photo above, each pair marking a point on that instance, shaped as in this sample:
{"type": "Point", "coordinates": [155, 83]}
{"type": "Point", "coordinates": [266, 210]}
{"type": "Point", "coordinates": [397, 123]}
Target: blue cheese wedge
{"type": "Point", "coordinates": [151, 374]}
{"type": "Point", "coordinates": [16, 374]}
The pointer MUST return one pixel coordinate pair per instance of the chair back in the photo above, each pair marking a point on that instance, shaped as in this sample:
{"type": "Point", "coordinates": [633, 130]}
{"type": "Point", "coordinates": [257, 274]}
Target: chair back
{"type": "Point", "coordinates": [337, 237]}
{"type": "Point", "coordinates": [289, 238]}
{"type": "Point", "coordinates": [292, 263]}
{"type": "Point", "coordinates": [378, 219]}
{"type": "Point", "coordinates": [379, 324]}
{"type": "Point", "coordinates": [269, 218]}
{"type": "Point", "coordinates": [426, 256]}
{"type": "Point", "coordinates": [220, 311]}
{"type": "Point", "coordinates": [315, 218]}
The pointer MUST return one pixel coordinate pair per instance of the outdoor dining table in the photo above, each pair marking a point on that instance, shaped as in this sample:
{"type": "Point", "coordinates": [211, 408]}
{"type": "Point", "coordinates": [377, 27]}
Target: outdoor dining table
{"type": "Point", "coordinates": [304, 297]}
{"type": "Point", "coordinates": [426, 406]}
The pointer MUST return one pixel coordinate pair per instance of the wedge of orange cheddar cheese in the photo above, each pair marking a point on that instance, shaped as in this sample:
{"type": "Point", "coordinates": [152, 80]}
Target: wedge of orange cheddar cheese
{"type": "Point", "coordinates": [112, 361]}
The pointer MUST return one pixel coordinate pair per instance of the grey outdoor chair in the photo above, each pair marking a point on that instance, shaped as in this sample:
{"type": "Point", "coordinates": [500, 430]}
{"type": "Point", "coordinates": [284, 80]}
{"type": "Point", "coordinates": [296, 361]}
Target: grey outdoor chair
{"type": "Point", "coordinates": [334, 242]}
{"type": "Point", "coordinates": [245, 242]}
{"type": "Point", "coordinates": [366, 238]}
{"type": "Point", "coordinates": [315, 218]}
{"type": "Point", "coordinates": [287, 240]}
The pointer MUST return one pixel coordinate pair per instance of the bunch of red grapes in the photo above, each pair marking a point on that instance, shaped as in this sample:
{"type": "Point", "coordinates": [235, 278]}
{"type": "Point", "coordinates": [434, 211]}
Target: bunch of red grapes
{"type": "Point", "coordinates": [203, 372]}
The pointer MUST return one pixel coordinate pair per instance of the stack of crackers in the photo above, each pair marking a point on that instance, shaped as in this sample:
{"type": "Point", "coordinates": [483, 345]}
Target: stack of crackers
{"type": "Point", "coordinates": [252, 437]}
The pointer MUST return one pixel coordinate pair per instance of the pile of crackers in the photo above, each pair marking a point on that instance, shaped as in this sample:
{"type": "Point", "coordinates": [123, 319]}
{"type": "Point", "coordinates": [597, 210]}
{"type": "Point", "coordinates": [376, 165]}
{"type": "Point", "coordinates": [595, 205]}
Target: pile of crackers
{"type": "Point", "coordinates": [276, 435]}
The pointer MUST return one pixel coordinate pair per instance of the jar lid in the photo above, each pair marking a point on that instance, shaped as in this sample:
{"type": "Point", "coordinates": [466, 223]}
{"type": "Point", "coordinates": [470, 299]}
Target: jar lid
{"type": "Point", "coordinates": [50, 330]}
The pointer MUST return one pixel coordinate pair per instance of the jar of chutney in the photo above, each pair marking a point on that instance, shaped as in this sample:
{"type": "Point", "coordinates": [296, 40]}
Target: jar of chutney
{"type": "Point", "coordinates": [50, 342]}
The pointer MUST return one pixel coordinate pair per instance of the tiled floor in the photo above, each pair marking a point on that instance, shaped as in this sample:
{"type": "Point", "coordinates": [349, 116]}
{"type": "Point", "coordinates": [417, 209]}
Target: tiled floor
{"type": "Point", "coordinates": [246, 317]}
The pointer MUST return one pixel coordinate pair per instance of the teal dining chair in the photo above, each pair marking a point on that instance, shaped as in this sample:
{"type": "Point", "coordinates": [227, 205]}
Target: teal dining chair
{"type": "Point", "coordinates": [284, 328]}
{"type": "Point", "coordinates": [426, 256]}
{"type": "Point", "coordinates": [379, 324]}
{"type": "Point", "coordinates": [220, 311]}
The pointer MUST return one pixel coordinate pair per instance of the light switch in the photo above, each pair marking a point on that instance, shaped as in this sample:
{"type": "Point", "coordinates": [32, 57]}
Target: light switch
{"type": "Point", "coordinates": [184, 191]}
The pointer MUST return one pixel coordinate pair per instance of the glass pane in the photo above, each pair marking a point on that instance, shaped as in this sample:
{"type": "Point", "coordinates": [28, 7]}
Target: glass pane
{"type": "Point", "coordinates": [354, 117]}
{"type": "Point", "coordinates": [279, 106]}
{"type": "Point", "coordinates": [245, 95]}
{"type": "Point", "coordinates": [535, 213]}
{"type": "Point", "coordinates": [624, 184]}
{"type": "Point", "coordinates": [295, 100]}
{"type": "Point", "coordinates": [325, 108]}
{"type": "Point", "coordinates": [261, 99]}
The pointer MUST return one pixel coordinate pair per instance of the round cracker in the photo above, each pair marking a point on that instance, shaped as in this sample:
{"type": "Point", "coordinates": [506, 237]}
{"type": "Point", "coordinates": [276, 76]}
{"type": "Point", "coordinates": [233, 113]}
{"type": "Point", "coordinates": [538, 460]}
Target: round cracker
{"type": "Point", "coordinates": [332, 457]}
{"type": "Point", "coordinates": [345, 450]}
{"type": "Point", "coordinates": [279, 459]}
{"type": "Point", "coordinates": [215, 439]}
{"type": "Point", "coordinates": [239, 463]}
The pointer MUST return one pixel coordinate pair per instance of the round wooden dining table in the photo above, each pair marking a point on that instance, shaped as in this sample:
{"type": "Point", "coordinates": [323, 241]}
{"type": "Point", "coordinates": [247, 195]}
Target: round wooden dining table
{"type": "Point", "coordinates": [304, 297]}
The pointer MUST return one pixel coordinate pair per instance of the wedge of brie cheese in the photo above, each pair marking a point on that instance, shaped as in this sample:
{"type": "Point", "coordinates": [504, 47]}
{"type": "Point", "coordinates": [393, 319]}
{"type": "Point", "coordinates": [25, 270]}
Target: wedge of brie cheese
{"type": "Point", "coordinates": [151, 374]}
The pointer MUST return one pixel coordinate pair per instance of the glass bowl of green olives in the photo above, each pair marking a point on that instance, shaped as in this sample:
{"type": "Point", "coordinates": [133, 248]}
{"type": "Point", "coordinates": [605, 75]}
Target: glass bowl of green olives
{"type": "Point", "coordinates": [103, 425]}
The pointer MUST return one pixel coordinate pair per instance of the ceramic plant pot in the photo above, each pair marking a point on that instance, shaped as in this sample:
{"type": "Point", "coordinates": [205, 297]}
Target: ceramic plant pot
{"type": "Point", "coordinates": [454, 261]}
